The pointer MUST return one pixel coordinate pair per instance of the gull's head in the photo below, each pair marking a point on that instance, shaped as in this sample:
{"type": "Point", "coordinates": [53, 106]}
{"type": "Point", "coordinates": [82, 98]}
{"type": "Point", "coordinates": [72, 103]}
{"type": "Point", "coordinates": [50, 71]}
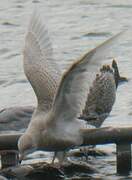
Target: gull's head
{"type": "Point", "coordinates": [26, 146]}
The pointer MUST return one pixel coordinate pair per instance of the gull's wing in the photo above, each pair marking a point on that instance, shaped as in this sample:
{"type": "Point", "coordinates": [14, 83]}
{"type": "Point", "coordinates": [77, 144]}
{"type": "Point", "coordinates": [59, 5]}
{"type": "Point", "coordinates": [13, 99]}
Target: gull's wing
{"type": "Point", "coordinates": [39, 65]}
{"type": "Point", "coordinates": [75, 84]}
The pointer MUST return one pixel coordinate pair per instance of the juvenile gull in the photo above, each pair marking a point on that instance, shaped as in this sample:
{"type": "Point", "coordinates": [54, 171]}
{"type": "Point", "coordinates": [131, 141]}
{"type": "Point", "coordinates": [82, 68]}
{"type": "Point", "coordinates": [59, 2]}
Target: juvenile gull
{"type": "Point", "coordinates": [55, 126]}
{"type": "Point", "coordinates": [102, 95]}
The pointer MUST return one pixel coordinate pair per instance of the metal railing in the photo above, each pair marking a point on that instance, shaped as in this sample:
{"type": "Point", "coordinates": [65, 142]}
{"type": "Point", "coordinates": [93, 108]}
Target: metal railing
{"type": "Point", "coordinates": [122, 137]}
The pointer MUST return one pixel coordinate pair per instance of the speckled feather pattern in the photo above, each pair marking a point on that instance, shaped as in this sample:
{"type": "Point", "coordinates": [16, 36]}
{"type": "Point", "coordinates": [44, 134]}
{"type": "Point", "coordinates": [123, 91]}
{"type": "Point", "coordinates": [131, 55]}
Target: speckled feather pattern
{"type": "Point", "coordinates": [101, 97]}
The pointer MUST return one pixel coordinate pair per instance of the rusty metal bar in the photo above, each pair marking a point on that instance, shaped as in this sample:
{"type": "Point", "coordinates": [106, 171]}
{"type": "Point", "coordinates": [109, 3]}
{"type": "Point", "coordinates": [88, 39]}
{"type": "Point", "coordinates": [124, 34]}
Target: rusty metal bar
{"type": "Point", "coordinates": [123, 158]}
{"type": "Point", "coordinates": [9, 141]}
{"type": "Point", "coordinates": [106, 135]}
{"type": "Point", "coordinates": [9, 158]}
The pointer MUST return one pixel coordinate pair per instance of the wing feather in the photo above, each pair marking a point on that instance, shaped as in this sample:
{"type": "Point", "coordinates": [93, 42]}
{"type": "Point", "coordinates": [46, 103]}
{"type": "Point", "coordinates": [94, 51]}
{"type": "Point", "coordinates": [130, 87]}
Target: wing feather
{"type": "Point", "coordinates": [75, 84]}
{"type": "Point", "coordinates": [39, 65]}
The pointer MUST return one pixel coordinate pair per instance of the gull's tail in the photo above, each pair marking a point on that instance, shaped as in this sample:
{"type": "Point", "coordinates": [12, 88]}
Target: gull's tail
{"type": "Point", "coordinates": [118, 79]}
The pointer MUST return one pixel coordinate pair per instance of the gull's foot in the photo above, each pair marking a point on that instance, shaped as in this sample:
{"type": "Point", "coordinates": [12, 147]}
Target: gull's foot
{"type": "Point", "coordinates": [61, 156]}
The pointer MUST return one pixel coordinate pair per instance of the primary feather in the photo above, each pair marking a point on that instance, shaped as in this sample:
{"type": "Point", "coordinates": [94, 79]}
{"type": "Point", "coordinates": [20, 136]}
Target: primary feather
{"type": "Point", "coordinates": [39, 65]}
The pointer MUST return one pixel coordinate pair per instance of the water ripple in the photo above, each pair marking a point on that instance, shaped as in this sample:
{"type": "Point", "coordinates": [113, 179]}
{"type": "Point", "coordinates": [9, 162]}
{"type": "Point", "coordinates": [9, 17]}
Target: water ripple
{"type": "Point", "coordinates": [97, 34]}
{"type": "Point", "coordinates": [9, 24]}
{"type": "Point", "coordinates": [126, 6]}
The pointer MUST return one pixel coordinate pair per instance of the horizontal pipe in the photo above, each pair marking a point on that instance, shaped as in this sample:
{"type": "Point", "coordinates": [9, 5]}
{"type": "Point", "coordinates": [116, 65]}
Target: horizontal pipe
{"type": "Point", "coordinates": [9, 141]}
{"type": "Point", "coordinates": [123, 158]}
{"type": "Point", "coordinates": [106, 135]}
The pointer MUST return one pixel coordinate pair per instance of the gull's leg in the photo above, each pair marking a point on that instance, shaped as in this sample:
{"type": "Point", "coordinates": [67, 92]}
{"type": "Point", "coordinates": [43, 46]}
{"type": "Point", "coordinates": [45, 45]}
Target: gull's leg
{"type": "Point", "coordinates": [55, 154]}
{"type": "Point", "coordinates": [61, 156]}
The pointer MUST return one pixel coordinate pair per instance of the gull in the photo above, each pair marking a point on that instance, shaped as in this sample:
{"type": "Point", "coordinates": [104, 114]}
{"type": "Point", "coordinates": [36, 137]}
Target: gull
{"type": "Point", "coordinates": [54, 125]}
{"type": "Point", "coordinates": [102, 95]}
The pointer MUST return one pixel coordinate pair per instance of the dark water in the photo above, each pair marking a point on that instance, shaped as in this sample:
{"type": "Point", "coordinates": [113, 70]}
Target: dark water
{"type": "Point", "coordinates": [75, 27]}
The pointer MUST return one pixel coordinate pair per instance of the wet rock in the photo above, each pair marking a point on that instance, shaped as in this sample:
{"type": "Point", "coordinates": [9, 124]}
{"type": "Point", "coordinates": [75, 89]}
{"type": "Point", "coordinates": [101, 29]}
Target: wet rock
{"type": "Point", "coordinates": [17, 171]}
{"type": "Point", "coordinates": [87, 151]}
{"type": "Point", "coordinates": [35, 172]}
{"type": "Point", "coordinates": [44, 170]}
{"type": "Point", "coordinates": [81, 167]}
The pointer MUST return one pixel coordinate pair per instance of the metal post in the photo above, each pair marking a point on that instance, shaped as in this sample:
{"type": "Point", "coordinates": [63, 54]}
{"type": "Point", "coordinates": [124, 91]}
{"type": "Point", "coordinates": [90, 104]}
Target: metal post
{"type": "Point", "coordinates": [123, 150]}
{"type": "Point", "coordinates": [8, 158]}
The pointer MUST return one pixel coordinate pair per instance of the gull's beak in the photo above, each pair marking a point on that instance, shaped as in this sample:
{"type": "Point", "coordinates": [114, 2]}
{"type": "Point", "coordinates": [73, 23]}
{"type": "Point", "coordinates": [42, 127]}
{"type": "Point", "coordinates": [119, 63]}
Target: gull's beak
{"type": "Point", "coordinates": [21, 157]}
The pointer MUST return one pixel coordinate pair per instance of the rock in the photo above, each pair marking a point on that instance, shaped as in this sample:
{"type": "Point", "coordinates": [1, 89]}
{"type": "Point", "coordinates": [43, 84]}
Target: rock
{"type": "Point", "coordinates": [44, 170]}
{"type": "Point", "coordinates": [72, 167]}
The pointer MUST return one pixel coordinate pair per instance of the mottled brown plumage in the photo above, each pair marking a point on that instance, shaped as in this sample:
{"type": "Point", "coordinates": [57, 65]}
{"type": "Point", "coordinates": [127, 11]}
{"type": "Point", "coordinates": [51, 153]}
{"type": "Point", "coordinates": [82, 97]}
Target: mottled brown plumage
{"type": "Point", "coordinates": [102, 95]}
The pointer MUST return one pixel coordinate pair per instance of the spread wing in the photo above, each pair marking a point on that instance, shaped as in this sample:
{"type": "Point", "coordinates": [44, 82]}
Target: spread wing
{"type": "Point", "coordinates": [39, 65]}
{"type": "Point", "coordinates": [75, 84]}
